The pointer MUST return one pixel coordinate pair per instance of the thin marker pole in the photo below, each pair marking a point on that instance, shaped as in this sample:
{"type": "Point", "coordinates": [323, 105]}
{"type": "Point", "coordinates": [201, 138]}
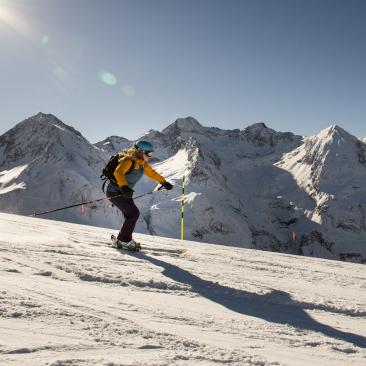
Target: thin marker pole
{"type": "Point", "coordinates": [182, 223]}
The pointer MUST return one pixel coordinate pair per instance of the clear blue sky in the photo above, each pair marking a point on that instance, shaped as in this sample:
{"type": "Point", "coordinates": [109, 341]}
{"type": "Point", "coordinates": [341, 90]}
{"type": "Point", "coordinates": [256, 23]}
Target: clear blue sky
{"type": "Point", "coordinates": [110, 67]}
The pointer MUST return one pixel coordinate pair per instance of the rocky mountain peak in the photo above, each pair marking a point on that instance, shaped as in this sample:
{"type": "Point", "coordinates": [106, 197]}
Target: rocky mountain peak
{"type": "Point", "coordinates": [336, 160]}
{"type": "Point", "coordinates": [256, 127]}
{"type": "Point", "coordinates": [334, 133]}
{"type": "Point", "coordinates": [260, 135]}
{"type": "Point", "coordinates": [113, 143]}
{"type": "Point", "coordinates": [40, 136]}
{"type": "Point", "coordinates": [332, 140]}
{"type": "Point", "coordinates": [188, 124]}
{"type": "Point", "coordinates": [43, 120]}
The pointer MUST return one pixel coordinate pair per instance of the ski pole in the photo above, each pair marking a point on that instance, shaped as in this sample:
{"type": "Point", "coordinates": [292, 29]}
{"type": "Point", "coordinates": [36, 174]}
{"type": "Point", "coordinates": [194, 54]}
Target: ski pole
{"type": "Point", "coordinates": [145, 194]}
{"type": "Point", "coordinates": [88, 202]}
{"type": "Point", "coordinates": [66, 207]}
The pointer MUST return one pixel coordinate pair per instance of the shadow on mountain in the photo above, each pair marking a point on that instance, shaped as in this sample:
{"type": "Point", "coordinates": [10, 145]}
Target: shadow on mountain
{"type": "Point", "coordinates": [275, 206]}
{"type": "Point", "coordinates": [275, 307]}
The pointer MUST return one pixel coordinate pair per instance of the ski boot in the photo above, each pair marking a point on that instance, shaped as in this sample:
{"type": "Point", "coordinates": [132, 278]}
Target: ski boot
{"type": "Point", "coordinates": [131, 245]}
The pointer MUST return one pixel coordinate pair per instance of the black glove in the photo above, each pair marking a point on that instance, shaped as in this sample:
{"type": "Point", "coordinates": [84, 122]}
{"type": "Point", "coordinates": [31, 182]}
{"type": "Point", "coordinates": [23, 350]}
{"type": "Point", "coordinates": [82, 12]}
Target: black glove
{"type": "Point", "coordinates": [126, 192]}
{"type": "Point", "coordinates": [167, 185]}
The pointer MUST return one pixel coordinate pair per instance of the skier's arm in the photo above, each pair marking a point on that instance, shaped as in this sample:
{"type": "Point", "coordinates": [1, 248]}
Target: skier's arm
{"type": "Point", "coordinates": [151, 173]}
{"type": "Point", "coordinates": [122, 168]}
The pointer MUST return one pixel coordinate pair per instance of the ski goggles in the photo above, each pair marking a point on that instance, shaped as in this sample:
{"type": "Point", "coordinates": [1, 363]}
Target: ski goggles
{"type": "Point", "coordinates": [147, 153]}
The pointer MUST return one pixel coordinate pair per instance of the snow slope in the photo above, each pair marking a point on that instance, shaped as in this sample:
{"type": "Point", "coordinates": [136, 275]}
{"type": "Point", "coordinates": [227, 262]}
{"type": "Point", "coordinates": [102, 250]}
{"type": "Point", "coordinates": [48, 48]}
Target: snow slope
{"type": "Point", "coordinates": [66, 298]}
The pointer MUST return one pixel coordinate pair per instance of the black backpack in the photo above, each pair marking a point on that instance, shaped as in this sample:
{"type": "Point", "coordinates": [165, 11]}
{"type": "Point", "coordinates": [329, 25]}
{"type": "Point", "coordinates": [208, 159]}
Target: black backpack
{"type": "Point", "coordinates": [111, 166]}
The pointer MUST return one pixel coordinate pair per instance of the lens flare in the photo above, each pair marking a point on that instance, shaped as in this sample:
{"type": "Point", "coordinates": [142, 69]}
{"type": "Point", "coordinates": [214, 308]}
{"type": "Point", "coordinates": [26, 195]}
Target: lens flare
{"type": "Point", "coordinates": [107, 78]}
{"type": "Point", "coordinates": [45, 39]}
{"type": "Point", "coordinates": [128, 90]}
{"type": "Point", "coordinates": [60, 73]}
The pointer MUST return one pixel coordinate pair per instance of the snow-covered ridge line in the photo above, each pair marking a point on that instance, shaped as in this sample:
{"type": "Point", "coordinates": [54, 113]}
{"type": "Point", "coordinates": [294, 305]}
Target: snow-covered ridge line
{"type": "Point", "coordinates": [252, 187]}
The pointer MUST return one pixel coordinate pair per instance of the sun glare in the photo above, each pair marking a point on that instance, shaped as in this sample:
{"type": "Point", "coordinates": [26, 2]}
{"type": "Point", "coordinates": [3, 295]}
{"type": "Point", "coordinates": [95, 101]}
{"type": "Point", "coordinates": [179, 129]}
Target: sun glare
{"type": "Point", "coordinates": [16, 21]}
{"type": "Point", "coordinates": [5, 14]}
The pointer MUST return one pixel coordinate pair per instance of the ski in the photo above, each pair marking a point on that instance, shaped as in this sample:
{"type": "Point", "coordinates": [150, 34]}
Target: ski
{"type": "Point", "coordinates": [120, 245]}
{"type": "Point", "coordinates": [115, 243]}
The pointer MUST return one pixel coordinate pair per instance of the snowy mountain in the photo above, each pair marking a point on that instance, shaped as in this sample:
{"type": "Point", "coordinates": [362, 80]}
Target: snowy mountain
{"type": "Point", "coordinates": [225, 169]}
{"type": "Point", "coordinates": [113, 143]}
{"type": "Point", "coordinates": [252, 187]}
{"type": "Point", "coordinates": [331, 168]}
{"type": "Point", "coordinates": [71, 301]}
{"type": "Point", "coordinates": [47, 164]}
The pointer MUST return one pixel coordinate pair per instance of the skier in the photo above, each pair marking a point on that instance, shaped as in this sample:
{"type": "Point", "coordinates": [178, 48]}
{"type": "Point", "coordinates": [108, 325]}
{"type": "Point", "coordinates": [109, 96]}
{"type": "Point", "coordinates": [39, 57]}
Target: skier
{"type": "Point", "coordinates": [128, 172]}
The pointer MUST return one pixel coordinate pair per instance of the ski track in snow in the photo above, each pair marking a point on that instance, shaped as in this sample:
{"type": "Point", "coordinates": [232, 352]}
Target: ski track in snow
{"type": "Point", "coordinates": [67, 299]}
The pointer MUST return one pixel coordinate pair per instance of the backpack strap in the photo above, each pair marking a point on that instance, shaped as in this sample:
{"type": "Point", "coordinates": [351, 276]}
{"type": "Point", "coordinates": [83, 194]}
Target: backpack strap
{"type": "Point", "coordinates": [104, 183]}
{"type": "Point", "coordinates": [124, 158]}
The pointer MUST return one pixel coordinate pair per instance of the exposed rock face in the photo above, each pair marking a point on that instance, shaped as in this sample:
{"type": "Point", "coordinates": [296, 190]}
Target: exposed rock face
{"type": "Point", "coordinates": [260, 135]}
{"type": "Point", "coordinates": [114, 143]}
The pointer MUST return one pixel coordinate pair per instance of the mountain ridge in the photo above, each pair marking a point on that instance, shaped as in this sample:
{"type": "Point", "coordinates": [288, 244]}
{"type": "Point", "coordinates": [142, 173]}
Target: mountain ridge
{"type": "Point", "coordinates": [252, 187]}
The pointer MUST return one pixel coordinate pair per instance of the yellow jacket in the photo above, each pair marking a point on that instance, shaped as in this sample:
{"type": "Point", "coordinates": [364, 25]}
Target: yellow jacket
{"type": "Point", "coordinates": [124, 167]}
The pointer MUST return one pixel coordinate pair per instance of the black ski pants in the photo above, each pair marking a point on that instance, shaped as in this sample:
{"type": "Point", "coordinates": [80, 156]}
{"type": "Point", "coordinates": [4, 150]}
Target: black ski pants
{"type": "Point", "coordinates": [130, 212]}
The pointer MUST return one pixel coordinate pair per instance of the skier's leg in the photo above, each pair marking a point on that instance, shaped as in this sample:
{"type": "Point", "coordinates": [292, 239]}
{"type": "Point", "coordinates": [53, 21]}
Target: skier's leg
{"type": "Point", "coordinates": [131, 214]}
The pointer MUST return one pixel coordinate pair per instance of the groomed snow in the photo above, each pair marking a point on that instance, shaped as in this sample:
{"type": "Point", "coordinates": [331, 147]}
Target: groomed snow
{"type": "Point", "coordinates": [66, 298]}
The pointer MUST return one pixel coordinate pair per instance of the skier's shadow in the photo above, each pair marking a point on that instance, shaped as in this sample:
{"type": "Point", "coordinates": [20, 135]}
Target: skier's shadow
{"type": "Point", "coordinates": [276, 306]}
